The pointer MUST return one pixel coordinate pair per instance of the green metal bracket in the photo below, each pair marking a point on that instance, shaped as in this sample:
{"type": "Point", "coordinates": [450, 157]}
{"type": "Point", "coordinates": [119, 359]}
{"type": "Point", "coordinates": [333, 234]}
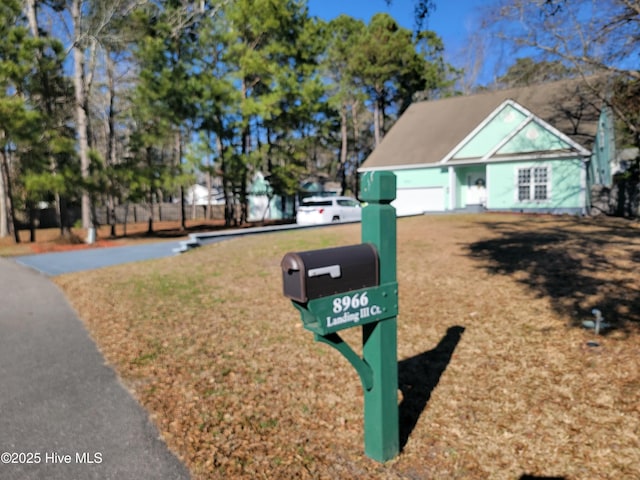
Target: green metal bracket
{"type": "Point", "coordinates": [363, 369]}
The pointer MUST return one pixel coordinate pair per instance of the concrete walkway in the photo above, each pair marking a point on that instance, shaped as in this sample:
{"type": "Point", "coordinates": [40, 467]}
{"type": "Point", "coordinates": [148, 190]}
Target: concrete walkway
{"type": "Point", "coordinates": [61, 407]}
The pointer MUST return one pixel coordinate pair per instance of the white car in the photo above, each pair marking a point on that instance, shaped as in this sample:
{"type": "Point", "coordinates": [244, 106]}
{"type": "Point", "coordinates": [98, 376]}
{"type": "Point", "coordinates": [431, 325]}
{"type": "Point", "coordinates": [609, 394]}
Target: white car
{"type": "Point", "coordinates": [318, 210]}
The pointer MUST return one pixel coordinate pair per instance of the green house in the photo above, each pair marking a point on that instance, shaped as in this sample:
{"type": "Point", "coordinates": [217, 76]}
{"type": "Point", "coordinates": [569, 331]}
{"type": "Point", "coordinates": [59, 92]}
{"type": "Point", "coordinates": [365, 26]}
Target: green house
{"type": "Point", "coordinates": [524, 150]}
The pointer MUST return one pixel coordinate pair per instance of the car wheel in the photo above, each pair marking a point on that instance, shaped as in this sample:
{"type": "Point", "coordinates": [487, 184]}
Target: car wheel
{"type": "Point", "coordinates": [335, 218]}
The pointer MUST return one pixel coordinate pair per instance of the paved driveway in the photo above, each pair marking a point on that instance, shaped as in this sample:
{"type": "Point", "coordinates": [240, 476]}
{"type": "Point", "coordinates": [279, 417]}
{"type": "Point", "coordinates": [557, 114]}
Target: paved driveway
{"type": "Point", "coordinates": [57, 263]}
{"type": "Point", "coordinates": [63, 413]}
{"type": "Point", "coordinates": [76, 260]}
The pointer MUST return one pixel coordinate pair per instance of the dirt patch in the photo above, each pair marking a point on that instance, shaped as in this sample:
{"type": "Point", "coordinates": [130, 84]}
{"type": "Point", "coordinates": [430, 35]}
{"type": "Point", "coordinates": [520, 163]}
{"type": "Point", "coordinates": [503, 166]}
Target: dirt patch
{"type": "Point", "coordinates": [50, 240]}
{"type": "Point", "coordinates": [496, 378]}
{"type": "Point", "coordinates": [52, 247]}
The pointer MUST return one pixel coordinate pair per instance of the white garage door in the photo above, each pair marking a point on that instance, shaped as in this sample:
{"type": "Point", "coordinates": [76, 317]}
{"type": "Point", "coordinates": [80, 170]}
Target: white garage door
{"type": "Point", "coordinates": [415, 201]}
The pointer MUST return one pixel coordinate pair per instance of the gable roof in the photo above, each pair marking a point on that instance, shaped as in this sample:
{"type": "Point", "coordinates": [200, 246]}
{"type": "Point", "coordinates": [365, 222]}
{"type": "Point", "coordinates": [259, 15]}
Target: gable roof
{"type": "Point", "coordinates": [429, 131]}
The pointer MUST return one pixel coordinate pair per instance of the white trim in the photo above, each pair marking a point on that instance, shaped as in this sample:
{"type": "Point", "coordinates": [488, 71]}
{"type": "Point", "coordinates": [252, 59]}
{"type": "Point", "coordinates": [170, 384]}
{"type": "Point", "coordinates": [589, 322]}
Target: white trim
{"type": "Point", "coordinates": [416, 166]}
{"type": "Point", "coordinates": [581, 150]}
{"type": "Point", "coordinates": [452, 187]}
{"type": "Point", "coordinates": [515, 158]}
{"type": "Point", "coordinates": [552, 129]}
{"type": "Point", "coordinates": [487, 184]}
{"type": "Point", "coordinates": [479, 161]}
{"type": "Point", "coordinates": [530, 116]}
{"type": "Point", "coordinates": [520, 108]}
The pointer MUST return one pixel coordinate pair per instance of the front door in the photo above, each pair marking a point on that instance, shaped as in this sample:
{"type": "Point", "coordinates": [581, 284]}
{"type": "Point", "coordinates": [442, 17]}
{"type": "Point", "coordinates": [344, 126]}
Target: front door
{"type": "Point", "coordinates": [476, 189]}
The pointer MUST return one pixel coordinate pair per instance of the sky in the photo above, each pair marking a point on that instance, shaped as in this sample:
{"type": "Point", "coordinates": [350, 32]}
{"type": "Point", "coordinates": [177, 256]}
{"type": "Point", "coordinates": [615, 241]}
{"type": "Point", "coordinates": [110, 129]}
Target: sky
{"type": "Point", "coordinates": [455, 21]}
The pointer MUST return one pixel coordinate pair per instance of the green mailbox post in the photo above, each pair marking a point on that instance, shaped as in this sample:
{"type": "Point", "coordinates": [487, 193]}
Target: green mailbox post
{"type": "Point", "coordinates": [355, 286]}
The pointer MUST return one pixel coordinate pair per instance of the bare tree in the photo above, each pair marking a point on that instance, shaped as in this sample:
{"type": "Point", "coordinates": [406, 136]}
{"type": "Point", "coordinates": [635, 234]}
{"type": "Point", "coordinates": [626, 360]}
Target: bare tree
{"type": "Point", "coordinates": [587, 36]}
{"type": "Point", "coordinates": [88, 28]}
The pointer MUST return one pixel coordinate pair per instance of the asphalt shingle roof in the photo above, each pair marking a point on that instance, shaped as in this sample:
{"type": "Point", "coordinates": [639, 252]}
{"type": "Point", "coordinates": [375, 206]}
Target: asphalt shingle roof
{"type": "Point", "coordinates": [429, 130]}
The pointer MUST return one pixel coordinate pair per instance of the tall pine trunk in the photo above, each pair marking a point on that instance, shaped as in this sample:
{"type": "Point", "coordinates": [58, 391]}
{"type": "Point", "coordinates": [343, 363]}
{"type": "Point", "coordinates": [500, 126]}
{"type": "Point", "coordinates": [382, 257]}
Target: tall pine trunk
{"type": "Point", "coordinates": [376, 122]}
{"type": "Point", "coordinates": [178, 165]}
{"type": "Point", "coordinates": [6, 179]}
{"type": "Point", "coordinates": [209, 184]}
{"type": "Point", "coordinates": [81, 114]}
{"type": "Point", "coordinates": [150, 194]}
{"type": "Point", "coordinates": [61, 205]}
{"type": "Point", "coordinates": [343, 147]}
{"type": "Point", "coordinates": [111, 143]}
{"type": "Point", "coordinates": [4, 218]}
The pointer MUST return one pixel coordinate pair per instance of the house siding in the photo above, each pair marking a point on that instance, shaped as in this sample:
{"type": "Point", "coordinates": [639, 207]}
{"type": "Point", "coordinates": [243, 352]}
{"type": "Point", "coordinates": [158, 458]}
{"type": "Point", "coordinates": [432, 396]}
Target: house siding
{"type": "Point", "coordinates": [507, 119]}
{"type": "Point", "coordinates": [566, 187]}
{"type": "Point", "coordinates": [603, 150]}
{"type": "Point", "coordinates": [422, 177]}
{"type": "Point", "coordinates": [533, 138]}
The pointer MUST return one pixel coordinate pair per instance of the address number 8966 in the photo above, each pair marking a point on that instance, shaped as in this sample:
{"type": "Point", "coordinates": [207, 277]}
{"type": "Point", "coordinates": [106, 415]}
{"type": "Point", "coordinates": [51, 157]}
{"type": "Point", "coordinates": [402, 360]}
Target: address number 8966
{"type": "Point", "coordinates": [356, 300]}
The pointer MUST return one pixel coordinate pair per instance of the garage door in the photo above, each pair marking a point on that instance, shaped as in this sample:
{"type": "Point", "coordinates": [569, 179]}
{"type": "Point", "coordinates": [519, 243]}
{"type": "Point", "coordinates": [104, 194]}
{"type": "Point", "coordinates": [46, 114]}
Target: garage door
{"type": "Point", "coordinates": [415, 201]}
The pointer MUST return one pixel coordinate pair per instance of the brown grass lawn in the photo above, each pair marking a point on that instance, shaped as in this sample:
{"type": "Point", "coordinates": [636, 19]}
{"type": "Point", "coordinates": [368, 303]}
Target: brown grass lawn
{"type": "Point", "coordinates": [496, 378]}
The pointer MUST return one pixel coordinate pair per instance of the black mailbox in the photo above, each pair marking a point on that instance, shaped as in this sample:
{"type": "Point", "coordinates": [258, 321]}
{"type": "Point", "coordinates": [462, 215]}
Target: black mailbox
{"type": "Point", "coordinates": [321, 273]}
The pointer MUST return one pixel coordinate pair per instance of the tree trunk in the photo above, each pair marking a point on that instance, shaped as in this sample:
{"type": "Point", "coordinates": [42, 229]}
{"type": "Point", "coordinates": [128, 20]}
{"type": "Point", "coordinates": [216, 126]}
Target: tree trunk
{"type": "Point", "coordinates": [4, 224]}
{"type": "Point", "coordinates": [343, 147]}
{"type": "Point", "coordinates": [150, 194]}
{"type": "Point", "coordinates": [126, 217]}
{"type": "Point", "coordinates": [65, 226]}
{"type": "Point", "coordinates": [193, 206]}
{"type": "Point", "coordinates": [81, 114]}
{"type": "Point", "coordinates": [226, 189]}
{"type": "Point", "coordinates": [376, 122]}
{"type": "Point", "coordinates": [246, 149]}
{"type": "Point", "coordinates": [356, 143]}
{"type": "Point", "coordinates": [209, 183]}
{"type": "Point", "coordinates": [30, 7]}
{"type": "Point", "coordinates": [383, 115]}
{"type": "Point", "coordinates": [111, 143]}
{"type": "Point", "coordinates": [244, 199]}
{"type": "Point", "coordinates": [177, 163]}
{"type": "Point", "coordinates": [61, 214]}
{"type": "Point", "coordinates": [11, 214]}
{"type": "Point", "coordinates": [32, 222]}
{"type": "Point", "coordinates": [150, 216]}
{"type": "Point", "coordinates": [112, 215]}
{"type": "Point", "coordinates": [356, 127]}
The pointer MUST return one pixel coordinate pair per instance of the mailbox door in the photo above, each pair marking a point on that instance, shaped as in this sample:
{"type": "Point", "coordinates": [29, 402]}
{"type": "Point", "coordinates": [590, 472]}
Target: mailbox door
{"type": "Point", "coordinates": [341, 269]}
{"type": "Point", "coordinates": [321, 273]}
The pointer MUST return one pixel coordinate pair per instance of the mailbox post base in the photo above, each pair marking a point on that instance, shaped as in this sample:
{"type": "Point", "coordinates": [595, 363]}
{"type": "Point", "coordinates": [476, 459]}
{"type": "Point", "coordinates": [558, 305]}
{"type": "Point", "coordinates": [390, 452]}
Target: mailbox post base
{"type": "Point", "coordinates": [381, 420]}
